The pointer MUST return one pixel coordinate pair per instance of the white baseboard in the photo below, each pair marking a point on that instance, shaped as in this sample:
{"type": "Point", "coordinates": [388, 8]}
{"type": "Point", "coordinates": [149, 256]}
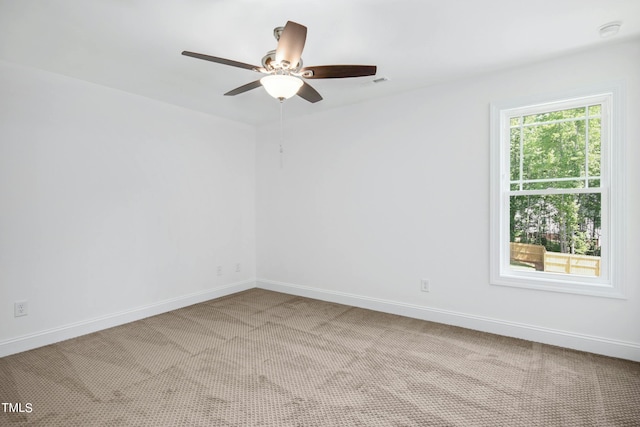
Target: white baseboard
{"type": "Point", "coordinates": [51, 336]}
{"type": "Point", "coordinates": [591, 344]}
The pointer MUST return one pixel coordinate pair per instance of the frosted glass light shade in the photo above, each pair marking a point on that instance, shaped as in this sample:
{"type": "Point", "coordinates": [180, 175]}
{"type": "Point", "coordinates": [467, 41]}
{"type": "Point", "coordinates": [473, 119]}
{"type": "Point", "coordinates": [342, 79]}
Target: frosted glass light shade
{"type": "Point", "coordinates": [281, 86]}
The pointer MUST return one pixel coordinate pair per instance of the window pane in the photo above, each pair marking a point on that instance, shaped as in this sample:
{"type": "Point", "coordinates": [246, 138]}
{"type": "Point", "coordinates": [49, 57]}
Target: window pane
{"type": "Point", "coordinates": [554, 150]}
{"type": "Point", "coordinates": [514, 153]}
{"type": "Point", "coordinates": [577, 183]}
{"type": "Point", "coordinates": [515, 121]}
{"type": "Point", "coordinates": [594, 110]}
{"type": "Point", "coordinates": [556, 233]}
{"type": "Point", "coordinates": [555, 115]}
{"type": "Point", "coordinates": [594, 147]}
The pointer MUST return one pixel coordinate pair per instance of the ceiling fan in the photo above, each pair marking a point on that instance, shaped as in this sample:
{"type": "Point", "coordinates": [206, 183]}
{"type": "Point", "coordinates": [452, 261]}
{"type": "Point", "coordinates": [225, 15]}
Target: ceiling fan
{"type": "Point", "coordinates": [283, 68]}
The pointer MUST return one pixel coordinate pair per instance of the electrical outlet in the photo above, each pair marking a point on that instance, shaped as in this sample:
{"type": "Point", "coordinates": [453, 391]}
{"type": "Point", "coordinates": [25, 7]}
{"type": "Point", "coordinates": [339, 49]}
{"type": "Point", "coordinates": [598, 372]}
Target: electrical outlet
{"type": "Point", "coordinates": [219, 271]}
{"type": "Point", "coordinates": [20, 308]}
{"type": "Point", "coordinates": [238, 268]}
{"type": "Point", "coordinates": [424, 285]}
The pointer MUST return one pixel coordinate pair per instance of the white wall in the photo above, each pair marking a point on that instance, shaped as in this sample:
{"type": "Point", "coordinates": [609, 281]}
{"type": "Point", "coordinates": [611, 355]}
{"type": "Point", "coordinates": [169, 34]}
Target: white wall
{"type": "Point", "coordinates": [114, 206]}
{"type": "Point", "coordinates": [374, 197]}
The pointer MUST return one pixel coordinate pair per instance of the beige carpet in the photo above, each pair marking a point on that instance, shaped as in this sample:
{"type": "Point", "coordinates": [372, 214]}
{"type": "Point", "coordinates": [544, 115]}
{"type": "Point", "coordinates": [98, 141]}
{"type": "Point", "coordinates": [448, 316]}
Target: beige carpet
{"type": "Point", "coordinates": [261, 358]}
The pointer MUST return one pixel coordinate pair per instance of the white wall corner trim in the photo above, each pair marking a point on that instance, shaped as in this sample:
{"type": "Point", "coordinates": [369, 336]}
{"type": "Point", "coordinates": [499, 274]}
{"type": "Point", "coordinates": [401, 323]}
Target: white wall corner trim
{"type": "Point", "coordinates": [54, 335]}
{"type": "Point", "coordinates": [581, 342]}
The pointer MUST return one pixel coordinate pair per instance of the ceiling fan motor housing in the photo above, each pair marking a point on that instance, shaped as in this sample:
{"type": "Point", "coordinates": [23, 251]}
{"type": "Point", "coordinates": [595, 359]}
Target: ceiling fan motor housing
{"type": "Point", "coordinates": [270, 64]}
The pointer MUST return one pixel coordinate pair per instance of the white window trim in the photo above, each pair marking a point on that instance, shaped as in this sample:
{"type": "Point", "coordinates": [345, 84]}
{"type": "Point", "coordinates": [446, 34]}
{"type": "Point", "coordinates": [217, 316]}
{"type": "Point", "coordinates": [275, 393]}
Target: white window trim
{"type": "Point", "coordinates": [613, 214]}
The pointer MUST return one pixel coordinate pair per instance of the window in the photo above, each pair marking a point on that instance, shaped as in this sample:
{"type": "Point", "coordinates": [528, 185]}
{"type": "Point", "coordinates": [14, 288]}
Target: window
{"type": "Point", "coordinates": [556, 190]}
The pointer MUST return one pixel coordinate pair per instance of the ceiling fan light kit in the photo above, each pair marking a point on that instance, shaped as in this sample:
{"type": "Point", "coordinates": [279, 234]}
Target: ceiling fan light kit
{"type": "Point", "coordinates": [284, 70]}
{"type": "Point", "coordinates": [281, 86]}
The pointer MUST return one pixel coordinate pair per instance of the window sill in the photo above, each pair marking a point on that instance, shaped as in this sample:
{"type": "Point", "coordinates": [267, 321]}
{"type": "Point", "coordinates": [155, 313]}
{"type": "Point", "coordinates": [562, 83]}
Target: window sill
{"type": "Point", "coordinates": [564, 286]}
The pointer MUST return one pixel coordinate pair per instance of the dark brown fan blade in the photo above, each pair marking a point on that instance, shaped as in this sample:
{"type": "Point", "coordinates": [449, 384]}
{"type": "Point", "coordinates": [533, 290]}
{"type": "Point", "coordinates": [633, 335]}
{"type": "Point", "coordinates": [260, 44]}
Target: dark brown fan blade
{"type": "Point", "coordinates": [291, 43]}
{"type": "Point", "coordinates": [309, 93]}
{"type": "Point", "coordinates": [221, 60]}
{"type": "Point", "coordinates": [243, 88]}
{"type": "Point", "coordinates": [339, 71]}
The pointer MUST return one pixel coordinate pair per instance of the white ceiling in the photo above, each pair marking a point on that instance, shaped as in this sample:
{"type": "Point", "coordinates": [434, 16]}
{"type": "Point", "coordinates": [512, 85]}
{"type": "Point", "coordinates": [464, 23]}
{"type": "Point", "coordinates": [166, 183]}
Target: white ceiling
{"type": "Point", "coordinates": [135, 45]}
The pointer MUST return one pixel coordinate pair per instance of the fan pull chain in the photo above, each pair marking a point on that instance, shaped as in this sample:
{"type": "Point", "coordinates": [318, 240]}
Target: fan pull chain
{"type": "Point", "coordinates": [281, 138]}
